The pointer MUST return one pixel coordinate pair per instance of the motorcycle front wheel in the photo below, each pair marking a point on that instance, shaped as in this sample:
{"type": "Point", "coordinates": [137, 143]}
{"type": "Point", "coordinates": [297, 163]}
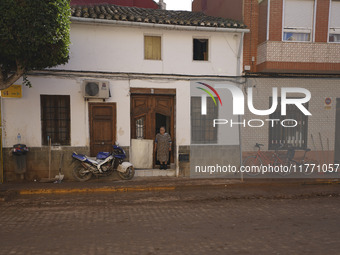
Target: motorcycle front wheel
{"type": "Point", "coordinates": [128, 175]}
{"type": "Point", "coordinates": [81, 174]}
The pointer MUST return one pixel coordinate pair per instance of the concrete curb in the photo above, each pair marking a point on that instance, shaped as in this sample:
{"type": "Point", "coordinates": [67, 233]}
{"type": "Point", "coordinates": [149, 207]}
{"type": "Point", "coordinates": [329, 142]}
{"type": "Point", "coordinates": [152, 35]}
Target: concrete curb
{"type": "Point", "coordinates": [181, 186]}
{"type": "Point", "coordinates": [148, 186]}
{"type": "Point", "coordinates": [92, 190]}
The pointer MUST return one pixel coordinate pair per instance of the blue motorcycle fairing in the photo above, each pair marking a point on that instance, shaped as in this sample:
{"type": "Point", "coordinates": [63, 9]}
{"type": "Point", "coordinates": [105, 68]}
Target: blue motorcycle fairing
{"type": "Point", "coordinates": [121, 154]}
{"type": "Point", "coordinates": [103, 155]}
{"type": "Point", "coordinates": [118, 153]}
{"type": "Point", "coordinates": [84, 158]}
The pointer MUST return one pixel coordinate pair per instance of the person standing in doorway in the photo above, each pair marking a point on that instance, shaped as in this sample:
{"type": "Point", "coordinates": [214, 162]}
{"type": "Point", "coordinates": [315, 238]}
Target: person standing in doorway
{"type": "Point", "coordinates": [163, 146]}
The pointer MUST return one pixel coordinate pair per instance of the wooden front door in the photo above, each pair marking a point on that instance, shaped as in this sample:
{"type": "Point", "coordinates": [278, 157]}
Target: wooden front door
{"type": "Point", "coordinates": [102, 127]}
{"type": "Point", "coordinates": [149, 113]}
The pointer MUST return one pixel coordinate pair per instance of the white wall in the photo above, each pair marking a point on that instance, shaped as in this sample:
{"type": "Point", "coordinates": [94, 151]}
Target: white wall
{"type": "Point", "coordinates": [22, 115]}
{"type": "Point", "coordinates": [109, 48]}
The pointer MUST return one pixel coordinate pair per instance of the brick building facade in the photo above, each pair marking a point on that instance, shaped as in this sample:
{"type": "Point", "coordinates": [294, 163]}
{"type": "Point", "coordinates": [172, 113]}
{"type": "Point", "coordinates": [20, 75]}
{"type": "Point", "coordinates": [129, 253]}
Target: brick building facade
{"type": "Point", "coordinates": [292, 43]}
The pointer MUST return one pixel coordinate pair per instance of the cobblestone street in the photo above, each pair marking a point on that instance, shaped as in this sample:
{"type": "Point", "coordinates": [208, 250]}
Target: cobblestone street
{"type": "Point", "coordinates": [166, 223]}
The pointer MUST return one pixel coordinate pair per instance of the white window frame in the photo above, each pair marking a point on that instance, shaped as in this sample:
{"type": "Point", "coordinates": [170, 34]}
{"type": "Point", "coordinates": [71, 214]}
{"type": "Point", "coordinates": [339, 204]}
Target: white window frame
{"type": "Point", "coordinates": [302, 30]}
{"type": "Point", "coordinates": [329, 24]}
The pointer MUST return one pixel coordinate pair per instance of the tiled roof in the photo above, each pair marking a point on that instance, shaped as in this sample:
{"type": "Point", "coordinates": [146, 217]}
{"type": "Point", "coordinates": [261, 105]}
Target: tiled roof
{"type": "Point", "coordinates": [134, 14]}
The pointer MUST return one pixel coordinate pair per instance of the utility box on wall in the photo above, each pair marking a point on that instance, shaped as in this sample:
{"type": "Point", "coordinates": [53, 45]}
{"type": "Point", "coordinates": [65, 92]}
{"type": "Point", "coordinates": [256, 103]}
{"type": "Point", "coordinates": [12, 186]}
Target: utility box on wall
{"type": "Point", "coordinates": [96, 89]}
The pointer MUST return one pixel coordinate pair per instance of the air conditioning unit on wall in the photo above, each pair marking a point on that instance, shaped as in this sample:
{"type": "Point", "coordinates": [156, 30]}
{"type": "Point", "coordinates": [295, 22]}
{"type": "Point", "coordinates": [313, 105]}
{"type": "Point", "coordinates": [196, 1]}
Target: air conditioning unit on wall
{"type": "Point", "coordinates": [96, 89]}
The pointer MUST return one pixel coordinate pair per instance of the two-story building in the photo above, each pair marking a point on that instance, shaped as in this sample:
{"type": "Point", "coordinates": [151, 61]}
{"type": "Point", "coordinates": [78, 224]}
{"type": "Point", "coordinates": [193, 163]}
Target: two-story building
{"type": "Point", "coordinates": [292, 43]}
{"type": "Point", "coordinates": [129, 73]}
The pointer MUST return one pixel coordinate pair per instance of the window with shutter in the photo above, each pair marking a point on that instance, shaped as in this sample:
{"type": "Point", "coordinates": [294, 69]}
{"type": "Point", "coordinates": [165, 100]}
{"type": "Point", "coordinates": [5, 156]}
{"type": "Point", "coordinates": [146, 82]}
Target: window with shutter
{"type": "Point", "coordinates": [152, 47]}
{"type": "Point", "coordinates": [298, 20]}
{"type": "Point", "coordinates": [334, 24]}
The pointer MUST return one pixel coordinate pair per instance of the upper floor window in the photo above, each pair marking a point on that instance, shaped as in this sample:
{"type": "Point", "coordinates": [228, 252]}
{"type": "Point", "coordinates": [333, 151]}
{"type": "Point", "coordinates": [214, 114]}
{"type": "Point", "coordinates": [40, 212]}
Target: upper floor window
{"type": "Point", "coordinates": [334, 24]}
{"type": "Point", "coordinates": [298, 20]}
{"type": "Point", "coordinates": [152, 47]}
{"type": "Point", "coordinates": [201, 49]}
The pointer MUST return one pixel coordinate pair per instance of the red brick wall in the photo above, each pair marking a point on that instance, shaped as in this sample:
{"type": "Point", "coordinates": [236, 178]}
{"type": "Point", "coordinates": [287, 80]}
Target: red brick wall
{"type": "Point", "coordinates": [275, 23]}
{"type": "Point", "coordinates": [263, 8]}
{"type": "Point", "coordinates": [250, 19]}
{"type": "Point", "coordinates": [230, 9]}
{"type": "Point", "coordinates": [196, 6]}
{"type": "Point", "coordinates": [321, 25]}
{"type": "Point", "coordinates": [255, 17]}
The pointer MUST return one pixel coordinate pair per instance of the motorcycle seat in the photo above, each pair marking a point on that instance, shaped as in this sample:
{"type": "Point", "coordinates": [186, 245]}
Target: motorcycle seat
{"type": "Point", "coordinates": [81, 157]}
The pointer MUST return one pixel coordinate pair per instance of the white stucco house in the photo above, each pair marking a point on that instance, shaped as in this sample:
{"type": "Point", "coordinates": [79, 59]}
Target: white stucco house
{"type": "Point", "coordinates": [129, 73]}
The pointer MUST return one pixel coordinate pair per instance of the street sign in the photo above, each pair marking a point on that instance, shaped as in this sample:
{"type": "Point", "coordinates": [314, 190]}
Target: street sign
{"type": "Point", "coordinates": [328, 101]}
{"type": "Point", "coordinates": [13, 91]}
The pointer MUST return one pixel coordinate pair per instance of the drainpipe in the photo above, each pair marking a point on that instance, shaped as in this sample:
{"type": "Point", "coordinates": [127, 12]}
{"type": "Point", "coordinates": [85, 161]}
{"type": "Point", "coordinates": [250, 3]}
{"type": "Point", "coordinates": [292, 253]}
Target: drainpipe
{"type": "Point", "coordinates": [238, 73]}
{"type": "Point", "coordinates": [239, 55]}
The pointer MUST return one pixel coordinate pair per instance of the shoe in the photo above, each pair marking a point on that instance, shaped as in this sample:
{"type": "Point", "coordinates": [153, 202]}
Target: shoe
{"type": "Point", "coordinates": [165, 166]}
{"type": "Point", "coordinates": [161, 167]}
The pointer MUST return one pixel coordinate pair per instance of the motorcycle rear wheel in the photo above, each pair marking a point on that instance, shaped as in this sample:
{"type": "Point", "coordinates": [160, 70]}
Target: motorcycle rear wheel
{"type": "Point", "coordinates": [128, 175]}
{"type": "Point", "coordinates": [81, 174]}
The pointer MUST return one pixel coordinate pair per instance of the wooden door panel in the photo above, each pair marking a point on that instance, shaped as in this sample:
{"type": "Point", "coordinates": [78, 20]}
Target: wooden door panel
{"type": "Point", "coordinates": [103, 131]}
{"type": "Point", "coordinates": [140, 102]}
{"type": "Point", "coordinates": [102, 127]}
{"type": "Point", "coordinates": [164, 103]}
{"type": "Point", "coordinates": [147, 106]}
{"type": "Point", "coordinates": [102, 112]}
{"type": "Point", "coordinates": [140, 105]}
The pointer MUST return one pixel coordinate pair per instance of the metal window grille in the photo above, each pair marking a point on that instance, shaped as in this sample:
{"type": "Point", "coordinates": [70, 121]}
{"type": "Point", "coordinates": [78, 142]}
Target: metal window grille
{"type": "Point", "coordinates": [55, 119]}
{"type": "Point", "coordinates": [288, 136]}
{"type": "Point", "coordinates": [140, 126]}
{"type": "Point", "coordinates": [202, 130]}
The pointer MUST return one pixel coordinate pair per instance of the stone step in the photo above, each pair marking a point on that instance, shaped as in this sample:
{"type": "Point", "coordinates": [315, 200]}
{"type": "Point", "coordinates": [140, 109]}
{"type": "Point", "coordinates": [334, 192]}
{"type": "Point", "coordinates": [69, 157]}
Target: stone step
{"type": "Point", "coordinates": [155, 172]}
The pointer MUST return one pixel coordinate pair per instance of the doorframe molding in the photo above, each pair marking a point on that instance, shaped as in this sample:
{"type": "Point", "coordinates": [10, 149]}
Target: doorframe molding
{"type": "Point", "coordinates": [114, 119]}
{"type": "Point", "coordinates": [158, 92]}
{"type": "Point", "coordinates": [152, 91]}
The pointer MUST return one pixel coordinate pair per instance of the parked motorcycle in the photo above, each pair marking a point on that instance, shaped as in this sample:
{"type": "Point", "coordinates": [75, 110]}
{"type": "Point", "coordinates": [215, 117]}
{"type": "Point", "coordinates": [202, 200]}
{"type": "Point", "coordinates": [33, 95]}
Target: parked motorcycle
{"type": "Point", "coordinates": [104, 164]}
